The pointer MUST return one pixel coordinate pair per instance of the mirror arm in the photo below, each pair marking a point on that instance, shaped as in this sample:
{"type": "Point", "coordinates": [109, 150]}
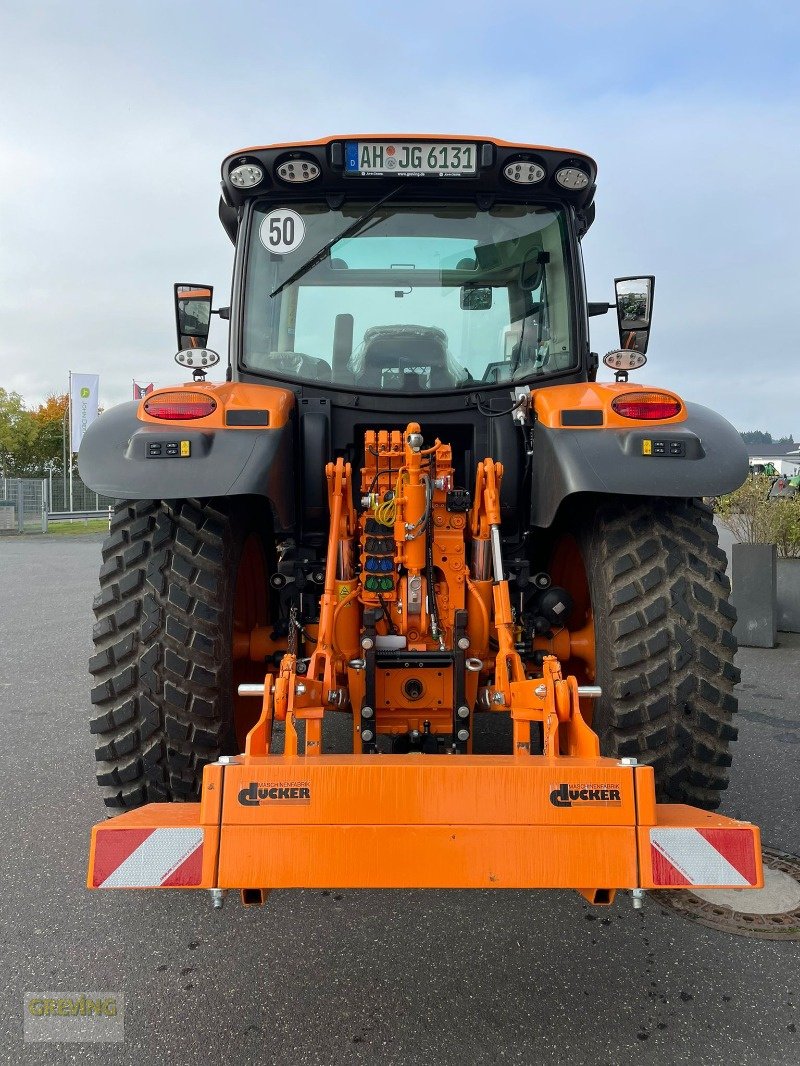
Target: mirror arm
{"type": "Point", "coordinates": [223, 312]}
{"type": "Point", "coordinates": [599, 308]}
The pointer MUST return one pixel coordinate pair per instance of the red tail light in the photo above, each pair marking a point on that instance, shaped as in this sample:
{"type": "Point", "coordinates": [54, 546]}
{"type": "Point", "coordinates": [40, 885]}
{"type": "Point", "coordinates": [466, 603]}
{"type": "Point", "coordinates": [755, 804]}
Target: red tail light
{"type": "Point", "coordinates": [647, 405]}
{"type": "Point", "coordinates": [180, 406]}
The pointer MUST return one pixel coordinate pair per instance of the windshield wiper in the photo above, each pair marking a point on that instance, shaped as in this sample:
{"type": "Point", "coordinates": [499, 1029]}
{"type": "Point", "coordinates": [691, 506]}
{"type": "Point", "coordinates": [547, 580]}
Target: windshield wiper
{"type": "Point", "coordinates": [348, 231]}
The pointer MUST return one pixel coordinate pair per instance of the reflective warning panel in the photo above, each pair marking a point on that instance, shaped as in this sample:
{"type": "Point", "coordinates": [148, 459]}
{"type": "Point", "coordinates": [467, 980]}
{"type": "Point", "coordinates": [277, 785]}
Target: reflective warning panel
{"type": "Point", "coordinates": [162, 845]}
{"type": "Point", "coordinates": [148, 858]}
{"type": "Point", "coordinates": [683, 857]}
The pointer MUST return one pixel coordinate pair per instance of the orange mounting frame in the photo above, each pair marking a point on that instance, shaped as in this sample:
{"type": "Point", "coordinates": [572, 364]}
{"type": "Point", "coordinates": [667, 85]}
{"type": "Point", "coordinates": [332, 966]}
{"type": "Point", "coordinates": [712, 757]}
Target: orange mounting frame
{"type": "Point", "coordinates": [425, 821]}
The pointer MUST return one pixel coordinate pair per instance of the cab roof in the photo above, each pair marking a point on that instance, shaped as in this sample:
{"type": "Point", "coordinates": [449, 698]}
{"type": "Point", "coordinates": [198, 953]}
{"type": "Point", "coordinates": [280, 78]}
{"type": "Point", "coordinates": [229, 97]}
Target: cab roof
{"type": "Point", "coordinates": [458, 137]}
{"type": "Point", "coordinates": [334, 178]}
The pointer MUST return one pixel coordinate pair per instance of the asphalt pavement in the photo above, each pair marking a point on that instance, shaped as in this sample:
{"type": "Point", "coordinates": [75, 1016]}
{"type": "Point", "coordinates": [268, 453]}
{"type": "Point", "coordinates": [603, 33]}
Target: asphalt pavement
{"type": "Point", "coordinates": [462, 977]}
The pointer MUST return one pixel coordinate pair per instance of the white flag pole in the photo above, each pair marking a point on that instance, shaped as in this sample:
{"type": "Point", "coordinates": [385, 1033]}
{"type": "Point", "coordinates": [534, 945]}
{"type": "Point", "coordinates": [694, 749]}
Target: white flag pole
{"type": "Point", "coordinates": [70, 441]}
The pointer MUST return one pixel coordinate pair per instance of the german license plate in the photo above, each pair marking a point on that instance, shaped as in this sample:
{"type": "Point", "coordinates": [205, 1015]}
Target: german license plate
{"type": "Point", "coordinates": [408, 158]}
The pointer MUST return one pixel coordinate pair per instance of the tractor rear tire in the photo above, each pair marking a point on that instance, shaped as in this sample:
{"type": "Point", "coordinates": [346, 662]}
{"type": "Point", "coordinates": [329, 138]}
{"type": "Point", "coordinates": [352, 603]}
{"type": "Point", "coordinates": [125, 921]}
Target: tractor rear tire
{"type": "Point", "coordinates": [163, 666]}
{"type": "Point", "coordinates": [664, 646]}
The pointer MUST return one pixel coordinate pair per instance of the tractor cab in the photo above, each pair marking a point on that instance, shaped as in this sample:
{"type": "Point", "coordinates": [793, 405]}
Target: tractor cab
{"type": "Point", "coordinates": [374, 275]}
{"type": "Point", "coordinates": [408, 266]}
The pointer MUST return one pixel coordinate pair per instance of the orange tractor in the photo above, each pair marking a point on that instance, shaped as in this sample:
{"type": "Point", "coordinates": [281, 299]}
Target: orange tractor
{"type": "Point", "coordinates": [411, 510]}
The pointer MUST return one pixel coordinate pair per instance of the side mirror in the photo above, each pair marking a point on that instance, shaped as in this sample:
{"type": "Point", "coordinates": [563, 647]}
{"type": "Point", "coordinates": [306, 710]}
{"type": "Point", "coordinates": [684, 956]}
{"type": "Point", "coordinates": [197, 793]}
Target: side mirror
{"type": "Point", "coordinates": [193, 315]}
{"type": "Point", "coordinates": [634, 311]}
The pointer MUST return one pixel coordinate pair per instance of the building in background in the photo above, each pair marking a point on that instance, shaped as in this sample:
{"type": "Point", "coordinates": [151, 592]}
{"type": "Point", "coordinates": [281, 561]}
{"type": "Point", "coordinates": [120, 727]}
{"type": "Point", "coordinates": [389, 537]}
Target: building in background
{"type": "Point", "coordinates": [785, 458]}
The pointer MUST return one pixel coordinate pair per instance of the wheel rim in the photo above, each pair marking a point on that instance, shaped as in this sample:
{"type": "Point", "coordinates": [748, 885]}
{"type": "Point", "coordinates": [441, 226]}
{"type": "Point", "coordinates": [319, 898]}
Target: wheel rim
{"type": "Point", "coordinates": [567, 570]}
{"type": "Point", "coordinates": [250, 609]}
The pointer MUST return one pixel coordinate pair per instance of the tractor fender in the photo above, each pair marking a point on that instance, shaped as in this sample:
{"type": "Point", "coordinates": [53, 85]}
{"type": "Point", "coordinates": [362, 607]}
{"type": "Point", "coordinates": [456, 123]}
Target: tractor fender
{"type": "Point", "coordinates": [116, 459]}
{"type": "Point", "coordinates": [712, 460]}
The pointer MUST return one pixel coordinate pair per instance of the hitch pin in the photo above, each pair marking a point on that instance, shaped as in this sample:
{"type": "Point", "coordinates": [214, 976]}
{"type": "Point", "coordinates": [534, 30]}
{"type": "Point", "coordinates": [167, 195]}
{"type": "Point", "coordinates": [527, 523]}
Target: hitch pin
{"type": "Point", "coordinates": [497, 553]}
{"type": "Point", "coordinates": [588, 692]}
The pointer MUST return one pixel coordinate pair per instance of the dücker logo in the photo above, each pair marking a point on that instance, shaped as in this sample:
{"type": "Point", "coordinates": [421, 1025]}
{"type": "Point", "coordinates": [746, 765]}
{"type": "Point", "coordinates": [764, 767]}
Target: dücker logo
{"type": "Point", "coordinates": [582, 795]}
{"type": "Point", "coordinates": [286, 792]}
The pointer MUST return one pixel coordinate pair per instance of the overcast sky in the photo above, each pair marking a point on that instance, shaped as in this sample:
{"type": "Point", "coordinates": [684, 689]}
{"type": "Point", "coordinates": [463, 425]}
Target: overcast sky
{"type": "Point", "coordinates": [115, 119]}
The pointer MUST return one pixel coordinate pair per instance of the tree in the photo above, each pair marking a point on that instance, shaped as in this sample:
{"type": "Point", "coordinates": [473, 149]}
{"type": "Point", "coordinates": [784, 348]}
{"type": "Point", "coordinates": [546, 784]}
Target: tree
{"type": "Point", "coordinates": [756, 436]}
{"type": "Point", "coordinates": [47, 448]}
{"type": "Point", "coordinates": [17, 434]}
{"type": "Point", "coordinates": [31, 442]}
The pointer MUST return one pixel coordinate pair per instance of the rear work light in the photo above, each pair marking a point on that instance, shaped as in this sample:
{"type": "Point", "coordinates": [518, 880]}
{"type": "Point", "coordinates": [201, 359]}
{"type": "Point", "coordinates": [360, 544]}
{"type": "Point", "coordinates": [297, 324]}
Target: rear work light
{"type": "Point", "coordinates": [298, 170]}
{"type": "Point", "coordinates": [246, 176]}
{"type": "Point", "coordinates": [647, 405]}
{"type": "Point", "coordinates": [180, 406]}
{"type": "Point", "coordinates": [524, 172]}
{"type": "Point", "coordinates": [572, 178]}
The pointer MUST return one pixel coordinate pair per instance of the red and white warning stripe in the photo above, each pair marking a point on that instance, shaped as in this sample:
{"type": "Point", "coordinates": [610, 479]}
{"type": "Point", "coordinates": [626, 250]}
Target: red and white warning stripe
{"type": "Point", "coordinates": [148, 858]}
{"type": "Point", "coordinates": [720, 858]}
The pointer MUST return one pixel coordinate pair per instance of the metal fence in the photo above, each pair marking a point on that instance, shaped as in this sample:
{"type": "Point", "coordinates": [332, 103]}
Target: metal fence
{"type": "Point", "coordinates": [81, 499]}
{"type": "Point", "coordinates": [23, 504]}
{"type": "Point", "coordinates": [26, 504]}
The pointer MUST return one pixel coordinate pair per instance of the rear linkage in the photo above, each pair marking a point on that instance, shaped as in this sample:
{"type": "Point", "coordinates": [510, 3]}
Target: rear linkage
{"type": "Point", "coordinates": [290, 697]}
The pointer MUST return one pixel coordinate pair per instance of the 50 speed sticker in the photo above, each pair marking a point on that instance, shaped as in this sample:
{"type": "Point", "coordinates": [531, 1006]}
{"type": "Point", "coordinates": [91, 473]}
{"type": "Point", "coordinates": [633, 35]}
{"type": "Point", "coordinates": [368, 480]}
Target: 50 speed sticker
{"type": "Point", "coordinates": [282, 231]}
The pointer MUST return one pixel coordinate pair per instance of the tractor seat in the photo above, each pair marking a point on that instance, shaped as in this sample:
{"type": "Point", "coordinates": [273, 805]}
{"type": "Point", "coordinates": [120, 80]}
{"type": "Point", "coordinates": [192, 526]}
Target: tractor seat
{"type": "Point", "coordinates": [390, 355]}
{"type": "Point", "coordinates": [297, 364]}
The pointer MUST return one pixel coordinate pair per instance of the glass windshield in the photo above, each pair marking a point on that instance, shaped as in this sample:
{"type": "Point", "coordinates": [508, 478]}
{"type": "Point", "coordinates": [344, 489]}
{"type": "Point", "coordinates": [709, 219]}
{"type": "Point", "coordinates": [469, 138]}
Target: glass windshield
{"type": "Point", "coordinates": [423, 298]}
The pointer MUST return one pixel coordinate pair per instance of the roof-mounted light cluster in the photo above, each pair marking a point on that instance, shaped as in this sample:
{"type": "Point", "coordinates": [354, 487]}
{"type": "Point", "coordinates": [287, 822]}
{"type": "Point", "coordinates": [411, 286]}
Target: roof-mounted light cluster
{"type": "Point", "coordinates": [296, 171]}
{"type": "Point", "coordinates": [246, 176]}
{"type": "Point", "coordinates": [529, 170]}
{"type": "Point", "coordinates": [337, 165]}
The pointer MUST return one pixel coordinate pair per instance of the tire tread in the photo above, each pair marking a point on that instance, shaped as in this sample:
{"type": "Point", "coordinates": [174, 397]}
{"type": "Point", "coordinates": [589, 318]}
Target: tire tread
{"type": "Point", "coordinates": [664, 626]}
{"type": "Point", "coordinates": [160, 658]}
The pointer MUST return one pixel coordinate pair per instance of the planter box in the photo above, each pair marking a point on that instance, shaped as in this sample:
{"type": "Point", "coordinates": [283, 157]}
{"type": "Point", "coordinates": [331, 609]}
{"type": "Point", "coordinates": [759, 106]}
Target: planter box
{"type": "Point", "coordinates": [755, 594]}
{"type": "Point", "coordinates": [789, 595]}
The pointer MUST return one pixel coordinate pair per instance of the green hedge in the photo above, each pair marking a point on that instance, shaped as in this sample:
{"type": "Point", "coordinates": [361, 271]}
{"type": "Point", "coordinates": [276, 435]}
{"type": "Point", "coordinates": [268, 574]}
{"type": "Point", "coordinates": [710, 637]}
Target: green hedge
{"type": "Point", "coordinates": [753, 518]}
